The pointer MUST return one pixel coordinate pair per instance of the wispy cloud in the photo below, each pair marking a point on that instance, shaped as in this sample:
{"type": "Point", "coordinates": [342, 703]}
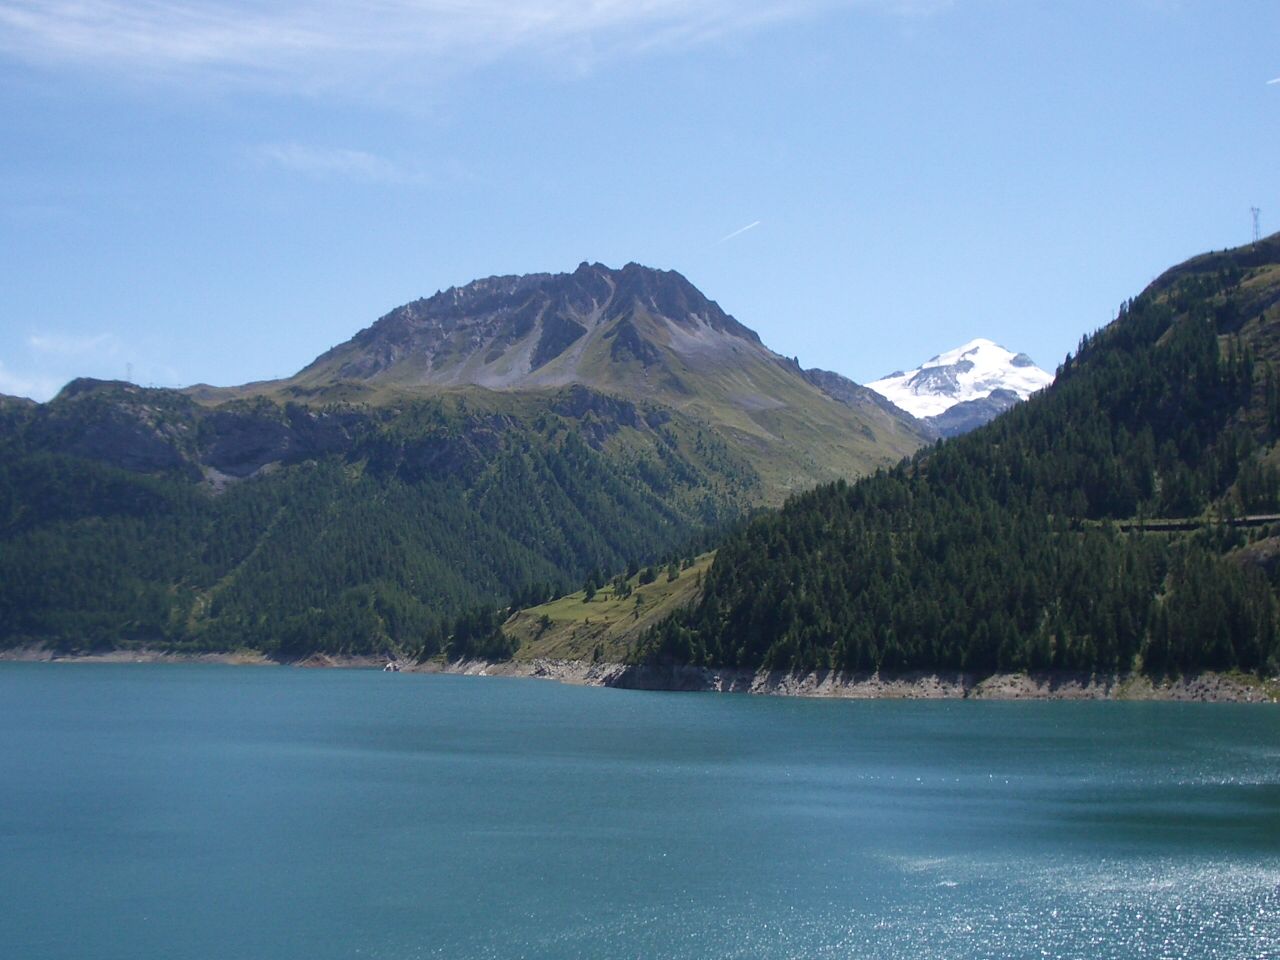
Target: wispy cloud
{"type": "Point", "coordinates": [66, 345]}
{"type": "Point", "coordinates": [739, 232]}
{"type": "Point", "coordinates": [328, 163]}
{"type": "Point", "coordinates": [317, 41]}
{"type": "Point", "coordinates": [1276, 80]}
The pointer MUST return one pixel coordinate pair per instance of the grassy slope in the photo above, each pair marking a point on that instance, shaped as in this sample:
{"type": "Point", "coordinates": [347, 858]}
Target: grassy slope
{"type": "Point", "coordinates": [577, 628]}
{"type": "Point", "coordinates": [806, 440]}
{"type": "Point", "coordinates": [792, 433]}
{"type": "Point", "coordinates": [761, 411]}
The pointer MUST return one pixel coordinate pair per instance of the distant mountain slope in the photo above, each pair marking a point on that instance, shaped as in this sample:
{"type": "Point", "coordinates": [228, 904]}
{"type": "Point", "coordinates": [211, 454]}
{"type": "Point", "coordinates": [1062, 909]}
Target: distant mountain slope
{"type": "Point", "coordinates": [634, 330]}
{"type": "Point", "coordinates": [643, 334]}
{"type": "Point", "coordinates": [1022, 545]}
{"type": "Point", "coordinates": [960, 418]}
{"type": "Point", "coordinates": [498, 442]}
{"type": "Point", "coordinates": [839, 387]}
{"type": "Point", "coordinates": [139, 517]}
{"type": "Point", "coordinates": [981, 377]}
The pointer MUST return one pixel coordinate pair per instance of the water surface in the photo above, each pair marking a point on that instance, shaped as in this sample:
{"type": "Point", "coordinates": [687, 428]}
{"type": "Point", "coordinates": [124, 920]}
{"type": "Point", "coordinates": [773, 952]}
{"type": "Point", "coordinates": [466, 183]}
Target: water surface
{"type": "Point", "coordinates": [160, 811]}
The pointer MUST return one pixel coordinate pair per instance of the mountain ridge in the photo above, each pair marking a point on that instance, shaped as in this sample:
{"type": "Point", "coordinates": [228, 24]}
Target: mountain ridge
{"type": "Point", "coordinates": [517, 325]}
{"type": "Point", "coordinates": [409, 482]}
{"type": "Point", "coordinates": [645, 335]}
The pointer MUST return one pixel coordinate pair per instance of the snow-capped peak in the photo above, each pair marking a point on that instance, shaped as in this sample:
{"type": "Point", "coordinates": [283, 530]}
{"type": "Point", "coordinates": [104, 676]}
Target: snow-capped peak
{"type": "Point", "coordinates": [969, 372]}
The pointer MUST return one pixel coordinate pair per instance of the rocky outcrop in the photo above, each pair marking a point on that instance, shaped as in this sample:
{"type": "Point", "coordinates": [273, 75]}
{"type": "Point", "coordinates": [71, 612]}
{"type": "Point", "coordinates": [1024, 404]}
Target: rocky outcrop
{"type": "Point", "coordinates": [500, 331]}
{"type": "Point", "coordinates": [147, 430]}
{"type": "Point", "coordinates": [141, 430]}
{"type": "Point", "coordinates": [239, 440]}
{"type": "Point", "coordinates": [854, 395]}
{"type": "Point", "coordinates": [971, 414]}
{"type": "Point", "coordinates": [1050, 685]}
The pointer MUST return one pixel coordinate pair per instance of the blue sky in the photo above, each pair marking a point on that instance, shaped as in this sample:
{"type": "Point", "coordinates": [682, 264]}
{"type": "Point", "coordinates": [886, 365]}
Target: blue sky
{"type": "Point", "coordinates": [218, 190]}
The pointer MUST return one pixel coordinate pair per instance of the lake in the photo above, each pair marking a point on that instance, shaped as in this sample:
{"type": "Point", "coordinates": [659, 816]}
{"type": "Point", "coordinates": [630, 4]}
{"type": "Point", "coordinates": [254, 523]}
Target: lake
{"type": "Point", "coordinates": [199, 811]}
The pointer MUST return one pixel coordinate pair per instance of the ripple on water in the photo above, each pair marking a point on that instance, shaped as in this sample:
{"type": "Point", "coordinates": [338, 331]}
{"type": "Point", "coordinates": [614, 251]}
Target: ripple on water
{"type": "Point", "coordinates": [959, 909]}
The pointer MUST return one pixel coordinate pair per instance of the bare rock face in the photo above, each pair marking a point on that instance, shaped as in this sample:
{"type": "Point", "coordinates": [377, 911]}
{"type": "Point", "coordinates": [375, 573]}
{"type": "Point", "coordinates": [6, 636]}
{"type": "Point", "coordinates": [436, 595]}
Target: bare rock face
{"type": "Point", "coordinates": [239, 441]}
{"type": "Point", "coordinates": [514, 332]}
{"type": "Point", "coordinates": [971, 414]}
{"type": "Point", "coordinates": [855, 395]}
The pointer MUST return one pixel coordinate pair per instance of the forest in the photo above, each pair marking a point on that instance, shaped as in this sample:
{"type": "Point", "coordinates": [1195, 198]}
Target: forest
{"type": "Point", "coordinates": [1023, 546]}
{"type": "Point", "coordinates": [1041, 541]}
{"type": "Point", "coordinates": [410, 540]}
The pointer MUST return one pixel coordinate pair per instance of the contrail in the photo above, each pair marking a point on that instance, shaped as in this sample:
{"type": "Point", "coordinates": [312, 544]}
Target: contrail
{"type": "Point", "coordinates": [1270, 82]}
{"type": "Point", "coordinates": [739, 232]}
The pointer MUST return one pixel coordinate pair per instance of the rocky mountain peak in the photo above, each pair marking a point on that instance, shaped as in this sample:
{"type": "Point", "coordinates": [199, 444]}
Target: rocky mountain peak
{"type": "Point", "coordinates": [539, 329]}
{"type": "Point", "coordinates": [965, 387]}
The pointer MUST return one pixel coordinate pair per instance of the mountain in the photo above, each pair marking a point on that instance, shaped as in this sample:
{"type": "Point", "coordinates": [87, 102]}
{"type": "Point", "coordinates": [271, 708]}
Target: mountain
{"type": "Point", "coordinates": [968, 415]}
{"type": "Point", "coordinates": [636, 330]}
{"type": "Point", "coordinates": [964, 388]}
{"type": "Point", "coordinates": [497, 442]}
{"type": "Point", "coordinates": [1124, 518]}
{"type": "Point", "coordinates": [841, 388]}
{"type": "Point", "coordinates": [647, 335]}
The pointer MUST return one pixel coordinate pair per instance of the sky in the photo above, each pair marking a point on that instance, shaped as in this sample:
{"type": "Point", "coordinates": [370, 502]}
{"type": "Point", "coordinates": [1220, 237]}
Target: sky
{"type": "Point", "coordinates": [219, 190]}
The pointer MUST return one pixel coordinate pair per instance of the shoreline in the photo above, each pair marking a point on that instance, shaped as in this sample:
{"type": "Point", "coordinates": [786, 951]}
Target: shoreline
{"type": "Point", "coordinates": [1204, 687]}
{"type": "Point", "coordinates": [239, 658]}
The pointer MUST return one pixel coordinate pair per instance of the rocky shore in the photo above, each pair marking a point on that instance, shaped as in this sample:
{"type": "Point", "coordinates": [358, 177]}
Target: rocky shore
{"type": "Point", "coordinates": [1201, 687]}
{"type": "Point", "coordinates": [47, 655]}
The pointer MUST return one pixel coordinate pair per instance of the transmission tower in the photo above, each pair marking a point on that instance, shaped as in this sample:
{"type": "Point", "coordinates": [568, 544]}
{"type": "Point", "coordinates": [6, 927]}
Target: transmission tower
{"type": "Point", "coordinates": [1257, 223]}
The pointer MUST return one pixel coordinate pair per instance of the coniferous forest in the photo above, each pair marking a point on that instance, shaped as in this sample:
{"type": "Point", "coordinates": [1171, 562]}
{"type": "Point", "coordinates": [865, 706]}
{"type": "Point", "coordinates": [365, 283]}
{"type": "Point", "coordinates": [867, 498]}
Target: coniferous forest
{"type": "Point", "coordinates": [492, 445]}
{"type": "Point", "coordinates": [408, 537]}
{"type": "Point", "coordinates": [1125, 518]}
{"type": "Point", "coordinates": [1117, 521]}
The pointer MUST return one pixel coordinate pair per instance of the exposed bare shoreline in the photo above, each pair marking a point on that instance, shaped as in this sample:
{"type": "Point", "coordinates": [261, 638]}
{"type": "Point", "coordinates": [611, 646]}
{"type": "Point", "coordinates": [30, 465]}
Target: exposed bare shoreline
{"type": "Point", "coordinates": [1202, 687]}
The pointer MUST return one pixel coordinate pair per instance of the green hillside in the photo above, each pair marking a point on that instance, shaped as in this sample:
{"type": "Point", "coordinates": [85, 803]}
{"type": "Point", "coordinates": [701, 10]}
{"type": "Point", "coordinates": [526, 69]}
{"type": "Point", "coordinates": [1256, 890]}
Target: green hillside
{"type": "Point", "coordinates": [494, 445]}
{"type": "Point", "coordinates": [1022, 545]}
{"type": "Point", "coordinates": [608, 624]}
{"type": "Point", "coordinates": [123, 520]}
{"type": "Point", "coordinates": [649, 336]}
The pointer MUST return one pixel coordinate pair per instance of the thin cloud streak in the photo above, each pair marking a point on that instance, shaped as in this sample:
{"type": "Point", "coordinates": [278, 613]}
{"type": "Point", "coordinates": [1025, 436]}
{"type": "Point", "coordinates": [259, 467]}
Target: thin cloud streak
{"type": "Point", "coordinates": [1270, 82]}
{"type": "Point", "coordinates": [327, 163]}
{"type": "Point", "coordinates": [739, 232]}
{"type": "Point", "coordinates": [311, 42]}
{"type": "Point", "coordinates": [61, 344]}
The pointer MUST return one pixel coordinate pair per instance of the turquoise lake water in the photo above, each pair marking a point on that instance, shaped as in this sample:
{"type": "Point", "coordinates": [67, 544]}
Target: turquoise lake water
{"type": "Point", "coordinates": [159, 811]}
